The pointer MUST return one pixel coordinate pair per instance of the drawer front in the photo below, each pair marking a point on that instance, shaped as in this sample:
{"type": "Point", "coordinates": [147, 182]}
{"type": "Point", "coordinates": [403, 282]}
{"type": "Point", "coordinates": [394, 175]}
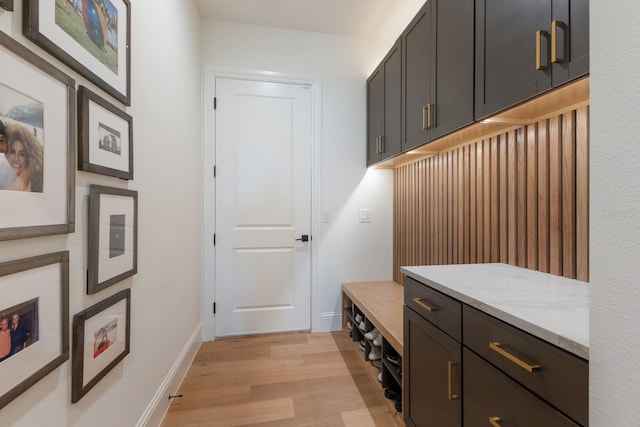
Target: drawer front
{"type": "Point", "coordinates": [438, 308]}
{"type": "Point", "coordinates": [491, 395]}
{"type": "Point", "coordinates": [553, 374]}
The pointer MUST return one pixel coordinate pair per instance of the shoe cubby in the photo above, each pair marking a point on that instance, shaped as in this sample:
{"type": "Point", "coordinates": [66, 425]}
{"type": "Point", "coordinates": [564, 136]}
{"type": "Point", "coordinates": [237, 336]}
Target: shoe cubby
{"type": "Point", "coordinates": [391, 366]}
{"type": "Point", "coordinates": [370, 318]}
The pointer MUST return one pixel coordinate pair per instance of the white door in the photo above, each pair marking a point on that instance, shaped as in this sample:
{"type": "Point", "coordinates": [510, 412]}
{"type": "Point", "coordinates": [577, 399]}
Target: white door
{"type": "Point", "coordinates": [263, 134]}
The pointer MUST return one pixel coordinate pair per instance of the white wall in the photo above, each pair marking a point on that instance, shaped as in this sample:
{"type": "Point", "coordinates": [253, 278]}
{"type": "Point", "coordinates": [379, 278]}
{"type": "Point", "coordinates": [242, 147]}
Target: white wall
{"type": "Point", "coordinates": [615, 213]}
{"type": "Point", "coordinates": [166, 110]}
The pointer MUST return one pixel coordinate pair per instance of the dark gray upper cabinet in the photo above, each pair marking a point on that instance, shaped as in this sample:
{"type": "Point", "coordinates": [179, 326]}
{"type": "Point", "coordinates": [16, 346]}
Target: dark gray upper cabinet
{"type": "Point", "coordinates": [570, 22]}
{"type": "Point", "coordinates": [375, 114]}
{"type": "Point", "coordinates": [384, 94]}
{"type": "Point", "coordinates": [524, 48]}
{"type": "Point", "coordinates": [437, 50]}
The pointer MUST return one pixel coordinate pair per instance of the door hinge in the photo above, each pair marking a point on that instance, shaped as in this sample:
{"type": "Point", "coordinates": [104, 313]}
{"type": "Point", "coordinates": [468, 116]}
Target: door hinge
{"type": "Point", "coordinates": [214, 239]}
{"type": "Point", "coordinates": [215, 102]}
{"type": "Point", "coordinates": [214, 307]}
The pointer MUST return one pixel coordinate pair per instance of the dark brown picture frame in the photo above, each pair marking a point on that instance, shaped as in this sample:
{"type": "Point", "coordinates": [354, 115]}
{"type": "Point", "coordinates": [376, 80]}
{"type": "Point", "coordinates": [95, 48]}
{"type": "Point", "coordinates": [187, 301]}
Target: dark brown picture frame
{"type": "Point", "coordinates": [7, 5]}
{"type": "Point", "coordinates": [24, 57]}
{"type": "Point", "coordinates": [32, 263]}
{"type": "Point", "coordinates": [32, 15]}
{"type": "Point", "coordinates": [78, 386]}
{"type": "Point", "coordinates": [87, 144]}
{"type": "Point", "coordinates": [101, 237]}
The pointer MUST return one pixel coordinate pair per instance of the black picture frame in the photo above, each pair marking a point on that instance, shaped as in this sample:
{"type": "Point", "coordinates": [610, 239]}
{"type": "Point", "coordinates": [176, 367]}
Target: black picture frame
{"type": "Point", "coordinates": [106, 137]}
{"type": "Point", "coordinates": [7, 5]}
{"type": "Point", "coordinates": [50, 286]}
{"type": "Point", "coordinates": [97, 325]}
{"type": "Point", "coordinates": [51, 209]}
{"type": "Point", "coordinates": [113, 244]}
{"type": "Point", "coordinates": [93, 52]}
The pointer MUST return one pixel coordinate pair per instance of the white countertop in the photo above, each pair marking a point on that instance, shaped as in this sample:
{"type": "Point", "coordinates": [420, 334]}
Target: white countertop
{"type": "Point", "coordinates": [553, 308]}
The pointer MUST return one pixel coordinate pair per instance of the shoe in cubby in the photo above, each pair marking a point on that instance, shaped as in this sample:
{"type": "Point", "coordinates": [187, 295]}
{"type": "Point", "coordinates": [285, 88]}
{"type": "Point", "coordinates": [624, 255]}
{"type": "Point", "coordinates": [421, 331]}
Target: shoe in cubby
{"type": "Point", "coordinates": [372, 335]}
{"type": "Point", "coordinates": [374, 353]}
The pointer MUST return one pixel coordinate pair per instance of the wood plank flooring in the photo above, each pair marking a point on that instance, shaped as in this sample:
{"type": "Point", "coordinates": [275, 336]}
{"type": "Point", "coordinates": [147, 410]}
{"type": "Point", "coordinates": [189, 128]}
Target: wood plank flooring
{"type": "Point", "coordinates": [293, 379]}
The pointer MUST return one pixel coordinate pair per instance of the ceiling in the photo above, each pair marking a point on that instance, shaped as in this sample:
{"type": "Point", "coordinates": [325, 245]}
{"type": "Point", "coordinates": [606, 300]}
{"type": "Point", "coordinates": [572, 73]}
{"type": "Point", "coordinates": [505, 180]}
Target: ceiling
{"type": "Point", "coordinates": [353, 18]}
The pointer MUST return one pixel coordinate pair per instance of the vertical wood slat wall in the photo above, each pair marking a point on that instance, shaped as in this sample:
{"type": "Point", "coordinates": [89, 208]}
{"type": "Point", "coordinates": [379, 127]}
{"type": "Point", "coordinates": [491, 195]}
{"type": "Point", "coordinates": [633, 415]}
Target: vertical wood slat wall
{"type": "Point", "coordinates": [520, 198]}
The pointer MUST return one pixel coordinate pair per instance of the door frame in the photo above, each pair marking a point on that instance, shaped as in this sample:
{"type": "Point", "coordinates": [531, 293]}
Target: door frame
{"type": "Point", "coordinates": [210, 73]}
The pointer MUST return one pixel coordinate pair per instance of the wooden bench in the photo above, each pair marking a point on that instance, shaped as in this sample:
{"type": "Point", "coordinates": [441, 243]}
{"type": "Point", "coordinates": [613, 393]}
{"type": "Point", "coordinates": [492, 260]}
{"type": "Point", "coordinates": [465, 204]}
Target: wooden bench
{"type": "Point", "coordinates": [381, 303]}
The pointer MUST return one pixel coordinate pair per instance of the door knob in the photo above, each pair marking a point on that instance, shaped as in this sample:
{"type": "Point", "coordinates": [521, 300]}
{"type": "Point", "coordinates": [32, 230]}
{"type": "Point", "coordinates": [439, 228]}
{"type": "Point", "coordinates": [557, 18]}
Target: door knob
{"type": "Point", "coordinates": [303, 238]}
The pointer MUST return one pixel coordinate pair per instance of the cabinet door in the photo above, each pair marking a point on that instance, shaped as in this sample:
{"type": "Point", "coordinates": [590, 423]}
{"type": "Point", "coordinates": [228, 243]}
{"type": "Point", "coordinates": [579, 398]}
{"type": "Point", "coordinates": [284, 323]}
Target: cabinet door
{"type": "Point", "coordinates": [391, 142]}
{"type": "Point", "coordinates": [432, 375]}
{"type": "Point", "coordinates": [452, 53]}
{"type": "Point", "coordinates": [418, 69]}
{"type": "Point", "coordinates": [375, 111]}
{"type": "Point", "coordinates": [506, 53]}
{"type": "Point", "coordinates": [489, 394]}
{"type": "Point", "coordinates": [570, 25]}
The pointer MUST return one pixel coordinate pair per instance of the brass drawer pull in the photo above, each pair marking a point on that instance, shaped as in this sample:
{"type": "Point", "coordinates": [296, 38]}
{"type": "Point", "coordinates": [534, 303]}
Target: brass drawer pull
{"type": "Point", "coordinates": [450, 365]}
{"type": "Point", "coordinates": [495, 421]}
{"type": "Point", "coordinates": [495, 346]}
{"type": "Point", "coordinates": [419, 300]}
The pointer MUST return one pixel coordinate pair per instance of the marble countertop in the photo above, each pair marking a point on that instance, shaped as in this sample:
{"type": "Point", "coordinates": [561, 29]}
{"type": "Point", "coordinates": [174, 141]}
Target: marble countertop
{"type": "Point", "coordinates": [553, 308]}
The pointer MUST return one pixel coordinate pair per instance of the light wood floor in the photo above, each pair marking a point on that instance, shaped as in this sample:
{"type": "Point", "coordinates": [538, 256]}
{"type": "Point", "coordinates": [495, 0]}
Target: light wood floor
{"type": "Point", "coordinates": [294, 379]}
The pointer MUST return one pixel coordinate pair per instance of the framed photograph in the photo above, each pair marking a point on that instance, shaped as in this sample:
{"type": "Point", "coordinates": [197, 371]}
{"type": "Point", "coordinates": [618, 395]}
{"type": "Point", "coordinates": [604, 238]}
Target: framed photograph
{"type": "Point", "coordinates": [113, 236]}
{"type": "Point", "coordinates": [90, 36]}
{"type": "Point", "coordinates": [7, 5]}
{"type": "Point", "coordinates": [100, 341]}
{"type": "Point", "coordinates": [37, 145]}
{"type": "Point", "coordinates": [106, 137]}
{"type": "Point", "coordinates": [34, 321]}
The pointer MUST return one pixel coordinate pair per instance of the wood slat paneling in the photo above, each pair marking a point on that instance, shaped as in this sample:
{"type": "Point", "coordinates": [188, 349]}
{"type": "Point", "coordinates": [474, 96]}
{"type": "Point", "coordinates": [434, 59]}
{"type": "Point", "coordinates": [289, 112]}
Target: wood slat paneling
{"type": "Point", "coordinates": [521, 198]}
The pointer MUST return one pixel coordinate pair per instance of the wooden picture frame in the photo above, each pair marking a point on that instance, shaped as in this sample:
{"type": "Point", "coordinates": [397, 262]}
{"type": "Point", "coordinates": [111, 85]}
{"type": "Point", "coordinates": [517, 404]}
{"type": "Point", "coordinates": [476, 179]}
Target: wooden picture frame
{"type": "Point", "coordinates": [101, 339]}
{"type": "Point", "coordinates": [106, 137]}
{"type": "Point", "coordinates": [113, 236]}
{"type": "Point", "coordinates": [7, 5]}
{"type": "Point", "coordinates": [36, 290]}
{"type": "Point", "coordinates": [37, 111]}
{"type": "Point", "coordinates": [95, 43]}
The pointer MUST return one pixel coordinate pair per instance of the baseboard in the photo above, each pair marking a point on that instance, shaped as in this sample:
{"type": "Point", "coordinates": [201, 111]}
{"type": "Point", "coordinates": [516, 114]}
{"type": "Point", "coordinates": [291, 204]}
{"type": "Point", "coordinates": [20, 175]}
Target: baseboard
{"type": "Point", "coordinates": [329, 321]}
{"type": "Point", "coordinates": [159, 405]}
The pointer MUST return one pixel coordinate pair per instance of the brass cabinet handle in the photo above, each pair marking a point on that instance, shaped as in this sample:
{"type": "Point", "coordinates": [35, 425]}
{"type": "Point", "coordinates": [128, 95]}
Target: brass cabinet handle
{"type": "Point", "coordinates": [429, 112]}
{"type": "Point", "coordinates": [379, 148]}
{"type": "Point", "coordinates": [495, 346]}
{"type": "Point", "coordinates": [554, 41]}
{"type": "Point", "coordinates": [419, 300]}
{"type": "Point", "coordinates": [539, 35]}
{"type": "Point", "coordinates": [495, 421]}
{"type": "Point", "coordinates": [450, 365]}
{"type": "Point", "coordinates": [381, 143]}
{"type": "Point", "coordinates": [425, 109]}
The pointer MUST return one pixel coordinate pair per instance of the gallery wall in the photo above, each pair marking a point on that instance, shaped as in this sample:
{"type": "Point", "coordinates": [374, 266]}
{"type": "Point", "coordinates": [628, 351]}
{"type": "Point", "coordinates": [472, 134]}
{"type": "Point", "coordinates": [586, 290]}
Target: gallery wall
{"type": "Point", "coordinates": [165, 301]}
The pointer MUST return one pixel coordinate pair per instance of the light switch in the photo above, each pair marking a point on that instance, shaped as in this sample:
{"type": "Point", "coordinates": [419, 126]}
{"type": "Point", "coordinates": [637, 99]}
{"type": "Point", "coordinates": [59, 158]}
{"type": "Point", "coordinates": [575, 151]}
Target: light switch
{"type": "Point", "coordinates": [365, 215]}
{"type": "Point", "coordinates": [326, 216]}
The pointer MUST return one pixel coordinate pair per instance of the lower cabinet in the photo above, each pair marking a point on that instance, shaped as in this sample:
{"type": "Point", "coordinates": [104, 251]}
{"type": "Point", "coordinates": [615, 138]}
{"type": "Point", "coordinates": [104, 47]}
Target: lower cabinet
{"type": "Point", "coordinates": [432, 379]}
{"type": "Point", "coordinates": [464, 367]}
{"type": "Point", "coordinates": [493, 399]}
